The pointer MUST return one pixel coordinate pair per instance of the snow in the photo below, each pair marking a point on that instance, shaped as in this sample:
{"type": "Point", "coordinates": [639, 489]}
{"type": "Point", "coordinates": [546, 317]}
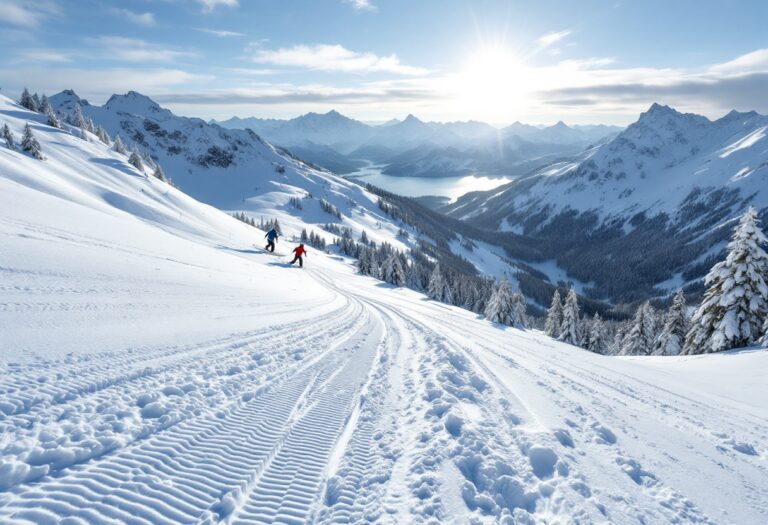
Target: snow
{"type": "Point", "coordinates": [157, 368]}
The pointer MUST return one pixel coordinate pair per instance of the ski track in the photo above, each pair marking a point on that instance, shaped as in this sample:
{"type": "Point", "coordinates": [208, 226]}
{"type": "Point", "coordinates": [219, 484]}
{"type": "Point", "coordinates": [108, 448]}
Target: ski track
{"type": "Point", "coordinates": [376, 411]}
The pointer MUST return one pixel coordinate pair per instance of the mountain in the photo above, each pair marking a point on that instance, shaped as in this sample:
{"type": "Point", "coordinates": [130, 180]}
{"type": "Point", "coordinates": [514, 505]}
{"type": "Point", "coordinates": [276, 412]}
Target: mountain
{"type": "Point", "coordinates": [643, 213]}
{"type": "Point", "coordinates": [237, 171]}
{"type": "Point", "coordinates": [326, 129]}
{"type": "Point", "coordinates": [561, 133]}
{"type": "Point", "coordinates": [158, 369]}
{"type": "Point", "coordinates": [412, 147]}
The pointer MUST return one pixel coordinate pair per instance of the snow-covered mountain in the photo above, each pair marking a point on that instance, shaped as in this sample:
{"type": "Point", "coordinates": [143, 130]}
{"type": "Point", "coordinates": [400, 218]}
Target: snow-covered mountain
{"type": "Point", "coordinates": [425, 149]}
{"type": "Point", "coordinates": [234, 170]}
{"type": "Point", "coordinates": [156, 369]}
{"type": "Point", "coordinates": [645, 208]}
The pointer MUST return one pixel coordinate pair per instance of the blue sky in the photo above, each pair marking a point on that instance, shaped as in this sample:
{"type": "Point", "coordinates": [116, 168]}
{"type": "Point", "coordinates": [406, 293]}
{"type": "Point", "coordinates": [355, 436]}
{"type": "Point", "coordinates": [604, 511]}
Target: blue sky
{"type": "Point", "coordinates": [499, 61]}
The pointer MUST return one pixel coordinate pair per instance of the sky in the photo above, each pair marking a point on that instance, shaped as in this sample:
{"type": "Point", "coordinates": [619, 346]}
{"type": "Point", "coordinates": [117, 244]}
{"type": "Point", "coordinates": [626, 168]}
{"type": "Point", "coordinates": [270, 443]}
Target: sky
{"type": "Point", "coordinates": [591, 61]}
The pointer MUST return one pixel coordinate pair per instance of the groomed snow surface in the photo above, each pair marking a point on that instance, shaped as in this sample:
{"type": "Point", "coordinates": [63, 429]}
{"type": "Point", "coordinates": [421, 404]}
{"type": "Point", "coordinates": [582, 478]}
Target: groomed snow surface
{"type": "Point", "coordinates": [156, 367]}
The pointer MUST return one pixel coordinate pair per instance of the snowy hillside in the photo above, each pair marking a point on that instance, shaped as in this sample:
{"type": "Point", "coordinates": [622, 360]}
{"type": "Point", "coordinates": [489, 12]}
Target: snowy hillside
{"type": "Point", "coordinates": [155, 368]}
{"type": "Point", "coordinates": [234, 169]}
{"type": "Point", "coordinates": [667, 186]}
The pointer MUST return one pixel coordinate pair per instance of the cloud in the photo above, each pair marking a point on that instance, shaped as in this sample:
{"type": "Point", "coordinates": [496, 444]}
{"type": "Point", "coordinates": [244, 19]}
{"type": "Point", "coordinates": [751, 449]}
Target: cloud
{"type": "Point", "coordinates": [740, 83]}
{"type": "Point", "coordinates": [142, 19]}
{"type": "Point", "coordinates": [755, 61]}
{"type": "Point", "coordinates": [333, 58]}
{"type": "Point", "coordinates": [26, 13]}
{"type": "Point", "coordinates": [135, 50]}
{"type": "Point", "coordinates": [552, 38]}
{"type": "Point", "coordinates": [220, 33]}
{"type": "Point", "coordinates": [100, 83]}
{"type": "Point", "coordinates": [210, 5]}
{"type": "Point", "coordinates": [42, 55]}
{"type": "Point", "coordinates": [289, 94]}
{"type": "Point", "coordinates": [361, 5]}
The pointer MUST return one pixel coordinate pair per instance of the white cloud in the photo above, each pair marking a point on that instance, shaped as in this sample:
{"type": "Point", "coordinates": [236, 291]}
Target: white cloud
{"type": "Point", "coordinates": [210, 5]}
{"type": "Point", "coordinates": [135, 50]}
{"type": "Point", "coordinates": [101, 83]}
{"type": "Point", "coordinates": [333, 58]}
{"type": "Point", "coordinates": [756, 61]}
{"type": "Point", "coordinates": [26, 13]}
{"type": "Point", "coordinates": [220, 33]}
{"type": "Point", "coordinates": [42, 55]}
{"type": "Point", "coordinates": [361, 5]}
{"type": "Point", "coordinates": [142, 19]}
{"type": "Point", "coordinates": [552, 38]}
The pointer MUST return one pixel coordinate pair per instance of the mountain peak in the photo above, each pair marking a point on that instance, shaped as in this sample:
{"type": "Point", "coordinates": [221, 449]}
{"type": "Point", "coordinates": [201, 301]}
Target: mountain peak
{"type": "Point", "coordinates": [561, 125]}
{"type": "Point", "coordinates": [411, 119]}
{"type": "Point", "coordinates": [132, 102]}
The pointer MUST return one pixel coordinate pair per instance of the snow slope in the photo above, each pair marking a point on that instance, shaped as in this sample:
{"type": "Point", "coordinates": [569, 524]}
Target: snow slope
{"type": "Point", "coordinates": [155, 368]}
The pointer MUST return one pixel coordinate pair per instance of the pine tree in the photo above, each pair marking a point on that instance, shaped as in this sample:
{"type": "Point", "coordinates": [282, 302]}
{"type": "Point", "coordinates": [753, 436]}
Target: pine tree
{"type": "Point", "coordinates": [554, 316]}
{"type": "Point", "coordinates": [37, 102]}
{"type": "Point", "coordinates": [735, 304]}
{"type": "Point", "coordinates": [438, 288]}
{"type": "Point", "coordinates": [392, 270]}
{"type": "Point", "coordinates": [135, 160]}
{"type": "Point", "coordinates": [672, 336]}
{"type": "Point", "coordinates": [30, 144]}
{"type": "Point", "coordinates": [519, 315]}
{"type": "Point", "coordinates": [598, 340]}
{"type": "Point", "coordinates": [639, 340]}
{"type": "Point", "coordinates": [570, 329]}
{"type": "Point", "coordinates": [159, 173]}
{"type": "Point", "coordinates": [118, 146]}
{"type": "Point", "coordinates": [8, 136]}
{"type": "Point", "coordinates": [501, 306]}
{"type": "Point", "coordinates": [27, 101]}
{"type": "Point", "coordinates": [76, 118]}
{"type": "Point", "coordinates": [84, 135]}
{"type": "Point", "coordinates": [364, 238]}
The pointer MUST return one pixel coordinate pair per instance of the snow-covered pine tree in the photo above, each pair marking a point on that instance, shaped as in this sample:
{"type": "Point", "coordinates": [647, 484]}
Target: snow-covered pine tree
{"type": "Point", "coordinates": [735, 304]}
{"type": "Point", "coordinates": [501, 306]}
{"type": "Point", "coordinates": [30, 144]}
{"type": "Point", "coordinates": [135, 159]}
{"type": "Point", "coordinates": [89, 125]}
{"type": "Point", "coordinates": [672, 336]}
{"type": "Point", "coordinates": [642, 333]}
{"type": "Point", "coordinates": [438, 288]}
{"type": "Point", "coordinates": [159, 174]}
{"type": "Point", "coordinates": [597, 341]}
{"type": "Point", "coordinates": [76, 118]}
{"type": "Point", "coordinates": [118, 146]}
{"type": "Point", "coordinates": [519, 314]}
{"type": "Point", "coordinates": [84, 135]}
{"type": "Point", "coordinates": [392, 270]}
{"type": "Point", "coordinates": [103, 135]}
{"type": "Point", "coordinates": [570, 329]}
{"type": "Point", "coordinates": [27, 101]}
{"type": "Point", "coordinates": [47, 110]}
{"type": "Point", "coordinates": [8, 136]}
{"type": "Point", "coordinates": [37, 102]}
{"type": "Point", "coordinates": [364, 238]}
{"type": "Point", "coordinates": [554, 316]}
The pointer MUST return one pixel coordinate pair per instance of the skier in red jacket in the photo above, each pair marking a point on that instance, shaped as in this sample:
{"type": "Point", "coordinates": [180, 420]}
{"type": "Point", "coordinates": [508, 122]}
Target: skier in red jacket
{"type": "Point", "coordinates": [297, 255]}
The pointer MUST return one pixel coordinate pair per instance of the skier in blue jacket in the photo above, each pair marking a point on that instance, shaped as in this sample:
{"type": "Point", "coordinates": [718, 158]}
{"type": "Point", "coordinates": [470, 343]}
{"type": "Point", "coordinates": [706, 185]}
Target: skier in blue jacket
{"type": "Point", "coordinates": [271, 239]}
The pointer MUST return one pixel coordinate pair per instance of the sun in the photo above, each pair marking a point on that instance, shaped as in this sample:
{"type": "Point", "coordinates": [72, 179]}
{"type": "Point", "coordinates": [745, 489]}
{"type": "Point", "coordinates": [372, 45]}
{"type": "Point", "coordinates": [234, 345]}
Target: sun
{"type": "Point", "coordinates": [493, 81]}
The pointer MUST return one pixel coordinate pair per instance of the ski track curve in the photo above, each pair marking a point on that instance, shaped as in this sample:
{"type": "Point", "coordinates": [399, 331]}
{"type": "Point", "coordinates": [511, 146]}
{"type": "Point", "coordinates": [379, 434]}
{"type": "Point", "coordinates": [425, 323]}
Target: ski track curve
{"type": "Point", "coordinates": [376, 411]}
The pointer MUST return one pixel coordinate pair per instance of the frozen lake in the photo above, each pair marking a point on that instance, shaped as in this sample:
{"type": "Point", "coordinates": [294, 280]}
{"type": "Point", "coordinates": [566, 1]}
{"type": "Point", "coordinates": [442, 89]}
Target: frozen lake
{"type": "Point", "coordinates": [451, 187]}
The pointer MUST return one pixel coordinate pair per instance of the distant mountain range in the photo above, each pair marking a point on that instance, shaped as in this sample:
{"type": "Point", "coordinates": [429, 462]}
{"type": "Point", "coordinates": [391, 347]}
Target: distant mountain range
{"type": "Point", "coordinates": [412, 147]}
{"type": "Point", "coordinates": [647, 211]}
